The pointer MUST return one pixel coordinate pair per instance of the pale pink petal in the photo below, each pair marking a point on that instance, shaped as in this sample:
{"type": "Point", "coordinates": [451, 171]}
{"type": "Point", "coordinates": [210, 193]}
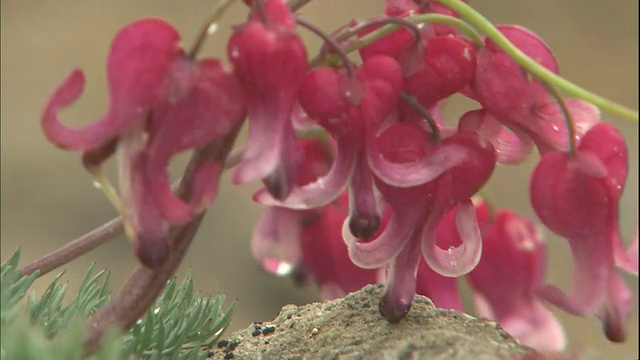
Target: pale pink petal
{"type": "Point", "coordinates": [537, 327]}
{"type": "Point", "coordinates": [275, 243]}
{"type": "Point", "coordinates": [455, 261]}
{"type": "Point", "coordinates": [323, 190]}
{"type": "Point", "coordinates": [384, 248]}
{"type": "Point", "coordinates": [401, 156]}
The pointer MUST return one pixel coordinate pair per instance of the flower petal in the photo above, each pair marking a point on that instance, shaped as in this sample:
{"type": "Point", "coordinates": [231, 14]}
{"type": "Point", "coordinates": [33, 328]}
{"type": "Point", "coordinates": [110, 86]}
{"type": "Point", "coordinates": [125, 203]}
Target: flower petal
{"type": "Point", "coordinates": [399, 156]}
{"type": "Point", "coordinates": [455, 261]}
{"type": "Point", "coordinates": [275, 243]}
{"type": "Point", "coordinates": [85, 138]}
{"type": "Point", "coordinates": [400, 286]}
{"type": "Point", "coordinates": [381, 250]}
{"type": "Point", "coordinates": [323, 190]}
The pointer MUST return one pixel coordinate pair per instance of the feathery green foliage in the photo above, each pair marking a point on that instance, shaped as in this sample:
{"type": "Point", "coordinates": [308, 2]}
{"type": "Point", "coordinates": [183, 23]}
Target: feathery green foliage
{"type": "Point", "coordinates": [179, 325]}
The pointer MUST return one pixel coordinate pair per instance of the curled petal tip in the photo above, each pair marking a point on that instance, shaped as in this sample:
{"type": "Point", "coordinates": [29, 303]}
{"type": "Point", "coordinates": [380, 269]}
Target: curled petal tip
{"type": "Point", "coordinates": [455, 261]}
{"type": "Point", "coordinates": [66, 93]}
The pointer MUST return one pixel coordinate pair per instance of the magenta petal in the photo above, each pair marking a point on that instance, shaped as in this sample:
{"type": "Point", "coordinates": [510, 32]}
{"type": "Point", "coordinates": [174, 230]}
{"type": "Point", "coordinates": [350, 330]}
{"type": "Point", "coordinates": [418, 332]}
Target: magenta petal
{"type": "Point", "coordinates": [400, 156]}
{"type": "Point", "coordinates": [606, 143]}
{"type": "Point", "coordinates": [381, 250]}
{"type": "Point", "coordinates": [456, 261]}
{"type": "Point", "coordinates": [323, 190]}
{"type": "Point", "coordinates": [443, 291]}
{"type": "Point", "coordinates": [84, 138]}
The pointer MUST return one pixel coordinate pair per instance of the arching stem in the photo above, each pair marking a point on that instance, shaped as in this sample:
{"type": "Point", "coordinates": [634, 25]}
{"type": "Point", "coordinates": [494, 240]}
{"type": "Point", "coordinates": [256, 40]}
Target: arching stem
{"type": "Point", "coordinates": [435, 130]}
{"type": "Point", "coordinates": [335, 46]}
{"type": "Point", "coordinates": [543, 74]}
{"type": "Point", "coordinates": [417, 19]}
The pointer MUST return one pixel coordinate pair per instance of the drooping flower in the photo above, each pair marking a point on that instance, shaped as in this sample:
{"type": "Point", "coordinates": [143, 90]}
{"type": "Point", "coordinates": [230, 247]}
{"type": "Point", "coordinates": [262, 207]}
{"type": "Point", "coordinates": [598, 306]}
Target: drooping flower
{"type": "Point", "coordinates": [308, 242]}
{"type": "Point", "coordinates": [161, 103]}
{"type": "Point", "coordinates": [522, 103]}
{"type": "Point", "coordinates": [329, 96]}
{"type": "Point", "coordinates": [444, 175]}
{"type": "Point", "coordinates": [577, 196]}
{"type": "Point", "coordinates": [507, 277]}
{"type": "Point", "coordinates": [271, 62]}
{"type": "Point", "coordinates": [325, 255]}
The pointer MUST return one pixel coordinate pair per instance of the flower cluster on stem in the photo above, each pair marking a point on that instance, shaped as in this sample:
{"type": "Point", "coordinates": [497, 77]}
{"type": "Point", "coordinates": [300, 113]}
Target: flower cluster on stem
{"type": "Point", "coordinates": [364, 179]}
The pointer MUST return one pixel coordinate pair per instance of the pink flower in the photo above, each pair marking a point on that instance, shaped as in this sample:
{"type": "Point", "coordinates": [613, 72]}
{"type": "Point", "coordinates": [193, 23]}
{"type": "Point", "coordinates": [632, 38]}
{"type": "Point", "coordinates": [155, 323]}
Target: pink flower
{"type": "Point", "coordinates": [422, 181]}
{"type": "Point", "coordinates": [309, 242]}
{"type": "Point", "coordinates": [325, 256]}
{"type": "Point", "coordinates": [506, 279]}
{"type": "Point", "coordinates": [161, 103]}
{"type": "Point", "coordinates": [519, 101]}
{"type": "Point", "coordinates": [270, 60]}
{"type": "Point", "coordinates": [349, 109]}
{"type": "Point", "coordinates": [577, 196]}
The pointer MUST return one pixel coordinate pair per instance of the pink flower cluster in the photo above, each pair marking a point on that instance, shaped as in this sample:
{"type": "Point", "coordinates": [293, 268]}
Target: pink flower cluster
{"type": "Point", "coordinates": [389, 194]}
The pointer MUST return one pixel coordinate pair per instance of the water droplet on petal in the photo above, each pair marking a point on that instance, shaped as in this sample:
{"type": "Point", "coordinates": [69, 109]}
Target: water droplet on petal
{"type": "Point", "coordinates": [234, 53]}
{"type": "Point", "coordinates": [277, 267]}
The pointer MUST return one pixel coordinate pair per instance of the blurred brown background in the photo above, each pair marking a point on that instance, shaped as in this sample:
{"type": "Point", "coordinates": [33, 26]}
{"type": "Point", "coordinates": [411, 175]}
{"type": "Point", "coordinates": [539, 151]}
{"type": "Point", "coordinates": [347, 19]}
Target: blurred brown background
{"type": "Point", "coordinates": [48, 199]}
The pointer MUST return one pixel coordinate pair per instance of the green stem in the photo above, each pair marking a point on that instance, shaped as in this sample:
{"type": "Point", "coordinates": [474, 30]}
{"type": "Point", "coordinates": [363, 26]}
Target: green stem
{"type": "Point", "coordinates": [485, 26]}
{"type": "Point", "coordinates": [417, 19]}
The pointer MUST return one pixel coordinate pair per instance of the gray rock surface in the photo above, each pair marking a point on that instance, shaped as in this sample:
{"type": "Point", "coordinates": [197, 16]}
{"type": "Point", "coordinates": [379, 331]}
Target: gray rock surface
{"type": "Point", "coordinates": [352, 328]}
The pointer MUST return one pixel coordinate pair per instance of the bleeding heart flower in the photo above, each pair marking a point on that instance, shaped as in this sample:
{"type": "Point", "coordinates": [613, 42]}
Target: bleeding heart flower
{"type": "Point", "coordinates": [521, 102]}
{"type": "Point", "coordinates": [509, 274]}
{"type": "Point", "coordinates": [270, 60]}
{"type": "Point", "coordinates": [327, 96]}
{"type": "Point", "coordinates": [161, 103]}
{"type": "Point", "coordinates": [576, 196]}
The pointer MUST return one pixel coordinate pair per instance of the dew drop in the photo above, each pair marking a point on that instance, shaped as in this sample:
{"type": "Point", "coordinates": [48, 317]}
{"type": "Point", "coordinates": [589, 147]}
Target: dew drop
{"type": "Point", "coordinates": [277, 267]}
{"type": "Point", "coordinates": [97, 185]}
{"type": "Point", "coordinates": [234, 53]}
{"type": "Point", "coordinates": [213, 27]}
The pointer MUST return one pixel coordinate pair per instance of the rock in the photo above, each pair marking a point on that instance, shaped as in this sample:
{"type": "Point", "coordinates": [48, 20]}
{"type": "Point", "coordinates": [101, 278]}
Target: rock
{"type": "Point", "coordinates": [352, 328]}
